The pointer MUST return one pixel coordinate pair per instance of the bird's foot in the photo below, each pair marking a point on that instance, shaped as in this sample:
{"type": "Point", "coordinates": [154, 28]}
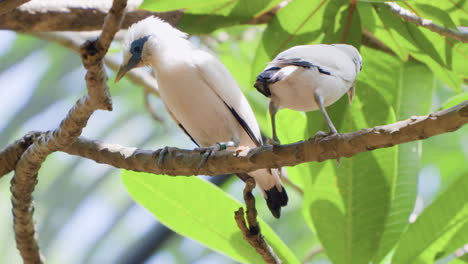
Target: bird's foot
{"type": "Point", "coordinates": [273, 142]}
{"type": "Point", "coordinates": [208, 151]}
{"type": "Point", "coordinates": [161, 154]}
{"type": "Point", "coordinates": [320, 135]}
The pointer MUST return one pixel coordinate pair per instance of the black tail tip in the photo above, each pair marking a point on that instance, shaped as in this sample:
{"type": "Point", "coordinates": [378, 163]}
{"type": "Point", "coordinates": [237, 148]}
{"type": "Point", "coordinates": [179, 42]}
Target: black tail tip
{"type": "Point", "coordinates": [276, 199]}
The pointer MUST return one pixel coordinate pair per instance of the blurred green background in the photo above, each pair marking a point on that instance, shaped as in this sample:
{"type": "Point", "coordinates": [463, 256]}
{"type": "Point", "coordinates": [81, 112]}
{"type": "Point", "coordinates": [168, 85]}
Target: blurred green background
{"type": "Point", "coordinates": [85, 215]}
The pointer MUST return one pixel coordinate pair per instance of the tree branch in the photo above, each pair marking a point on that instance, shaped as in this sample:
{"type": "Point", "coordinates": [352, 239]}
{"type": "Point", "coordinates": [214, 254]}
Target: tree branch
{"type": "Point", "coordinates": [426, 23]}
{"type": "Point", "coordinates": [252, 232]}
{"type": "Point", "coordinates": [72, 16]}
{"type": "Point", "coordinates": [25, 178]}
{"type": "Point", "coordinates": [8, 5]}
{"type": "Point", "coordinates": [185, 162]}
{"type": "Point", "coordinates": [11, 154]}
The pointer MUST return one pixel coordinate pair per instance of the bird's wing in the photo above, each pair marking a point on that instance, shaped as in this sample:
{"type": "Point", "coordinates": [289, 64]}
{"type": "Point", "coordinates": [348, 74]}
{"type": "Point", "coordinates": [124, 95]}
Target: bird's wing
{"type": "Point", "coordinates": [218, 78]}
{"type": "Point", "coordinates": [327, 59]}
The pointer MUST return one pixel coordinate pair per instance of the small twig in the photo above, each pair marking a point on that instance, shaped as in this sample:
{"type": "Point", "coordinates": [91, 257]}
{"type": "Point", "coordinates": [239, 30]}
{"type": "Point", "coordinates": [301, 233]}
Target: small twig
{"type": "Point", "coordinates": [252, 232]}
{"type": "Point", "coordinates": [372, 41]}
{"type": "Point", "coordinates": [288, 181]}
{"type": "Point", "coordinates": [352, 7]}
{"type": "Point", "coordinates": [314, 252]}
{"type": "Point", "coordinates": [8, 5]}
{"type": "Point", "coordinates": [426, 23]}
{"type": "Point", "coordinates": [150, 109]}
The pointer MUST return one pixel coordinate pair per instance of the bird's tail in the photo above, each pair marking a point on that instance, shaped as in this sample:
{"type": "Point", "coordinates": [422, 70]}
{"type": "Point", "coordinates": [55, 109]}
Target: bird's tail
{"type": "Point", "coordinates": [273, 191]}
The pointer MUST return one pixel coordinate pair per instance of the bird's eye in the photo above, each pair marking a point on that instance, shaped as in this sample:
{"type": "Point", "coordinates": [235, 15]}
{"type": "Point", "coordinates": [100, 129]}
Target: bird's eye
{"type": "Point", "coordinates": [137, 49]}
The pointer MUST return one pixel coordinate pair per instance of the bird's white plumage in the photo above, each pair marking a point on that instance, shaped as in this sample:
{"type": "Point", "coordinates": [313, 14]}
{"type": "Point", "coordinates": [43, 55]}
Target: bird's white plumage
{"type": "Point", "coordinates": [297, 85]}
{"type": "Point", "coordinates": [197, 90]}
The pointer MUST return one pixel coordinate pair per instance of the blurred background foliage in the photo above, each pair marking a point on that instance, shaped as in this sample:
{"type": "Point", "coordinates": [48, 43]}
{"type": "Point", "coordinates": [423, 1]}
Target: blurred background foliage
{"type": "Point", "coordinates": [358, 212]}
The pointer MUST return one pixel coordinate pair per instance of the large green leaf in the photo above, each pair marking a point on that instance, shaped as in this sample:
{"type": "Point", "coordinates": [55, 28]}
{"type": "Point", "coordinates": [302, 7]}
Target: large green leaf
{"type": "Point", "coordinates": [204, 19]}
{"type": "Point", "coordinates": [168, 5]}
{"type": "Point", "coordinates": [349, 210]}
{"type": "Point", "coordinates": [416, 83]}
{"type": "Point", "coordinates": [197, 209]}
{"type": "Point", "coordinates": [404, 38]}
{"type": "Point", "coordinates": [457, 9]}
{"type": "Point", "coordinates": [441, 225]}
{"type": "Point", "coordinates": [457, 99]}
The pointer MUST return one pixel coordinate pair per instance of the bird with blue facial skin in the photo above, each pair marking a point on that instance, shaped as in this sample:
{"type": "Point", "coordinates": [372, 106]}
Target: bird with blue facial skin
{"type": "Point", "coordinates": [201, 96]}
{"type": "Point", "coordinates": [310, 77]}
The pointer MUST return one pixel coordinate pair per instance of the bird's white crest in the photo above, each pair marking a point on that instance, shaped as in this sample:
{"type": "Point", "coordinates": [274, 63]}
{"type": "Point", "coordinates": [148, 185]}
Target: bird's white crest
{"type": "Point", "coordinates": [156, 27]}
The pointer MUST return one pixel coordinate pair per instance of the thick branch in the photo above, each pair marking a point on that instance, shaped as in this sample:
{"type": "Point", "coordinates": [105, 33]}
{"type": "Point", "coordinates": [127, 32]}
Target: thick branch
{"type": "Point", "coordinates": [25, 178]}
{"type": "Point", "coordinates": [8, 5]}
{"type": "Point", "coordinates": [426, 23]}
{"type": "Point", "coordinates": [69, 15]}
{"type": "Point", "coordinates": [252, 232]}
{"type": "Point", "coordinates": [185, 162]}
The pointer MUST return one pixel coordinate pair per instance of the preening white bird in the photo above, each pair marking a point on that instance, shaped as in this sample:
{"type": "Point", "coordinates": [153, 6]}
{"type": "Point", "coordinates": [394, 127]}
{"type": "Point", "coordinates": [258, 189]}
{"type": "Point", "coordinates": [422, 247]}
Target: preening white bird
{"type": "Point", "coordinates": [200, 95]}
{"type": "Point", "coordinates": [310, 77]}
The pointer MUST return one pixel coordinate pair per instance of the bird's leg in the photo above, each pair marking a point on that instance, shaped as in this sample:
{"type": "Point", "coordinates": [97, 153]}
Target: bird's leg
{"type": "Point", "coordinates": [319, 101]}
{"type": "Point", "coordinates": [273, 109]}
{"type": "Point", "coordinates": [208, 151]}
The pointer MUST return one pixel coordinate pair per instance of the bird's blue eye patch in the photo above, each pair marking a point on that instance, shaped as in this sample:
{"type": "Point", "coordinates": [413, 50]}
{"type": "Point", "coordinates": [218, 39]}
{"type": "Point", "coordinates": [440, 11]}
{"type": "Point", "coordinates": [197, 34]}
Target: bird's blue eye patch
{"type": "Point", "coordinates": [137, 45]}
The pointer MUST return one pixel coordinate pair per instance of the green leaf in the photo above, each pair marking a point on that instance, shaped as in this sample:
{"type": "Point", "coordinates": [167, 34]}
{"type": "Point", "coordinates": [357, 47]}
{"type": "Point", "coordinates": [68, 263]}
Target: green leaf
{"type": "Point", "coordinates": [197, 209]}
{"type": "Point", "coordinates": [205, 19]}
{"type": "Point", "coordinates": [416, 83]}
{"type": "Point", "coordinates": [349, 207]}
{"type": "Point", "coordinates": [169, 5]}
{"type": "Point", "coordinates": [457, 99]}
{"type": "Point", "coordinates": [290, 126]}
{"type": "Point", "coordinates": [457, 9]}
{"type": "Point", "coordinates": [405, 38]}
{"type": "Point", "coordinates": [437, 226]}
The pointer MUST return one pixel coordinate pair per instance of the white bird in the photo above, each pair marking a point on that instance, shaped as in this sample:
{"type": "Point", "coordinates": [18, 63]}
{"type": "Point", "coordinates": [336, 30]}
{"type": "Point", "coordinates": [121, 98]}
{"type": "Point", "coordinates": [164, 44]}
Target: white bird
{"type": "Point", "coordinates": [200, 95]}
{"type": "Point", "coordinates": [310, 77]}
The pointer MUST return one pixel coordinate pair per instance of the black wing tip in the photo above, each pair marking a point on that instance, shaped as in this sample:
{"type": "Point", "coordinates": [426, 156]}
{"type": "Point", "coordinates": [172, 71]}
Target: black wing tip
{"type": "Point", "coordinates": [276, 199]}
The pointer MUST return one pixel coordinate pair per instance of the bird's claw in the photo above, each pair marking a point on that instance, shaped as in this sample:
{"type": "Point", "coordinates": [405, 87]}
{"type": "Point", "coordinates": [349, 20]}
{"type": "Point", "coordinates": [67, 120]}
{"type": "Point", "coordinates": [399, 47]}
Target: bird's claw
{"type": "Point", "coordinates": [320, 135]}
{"type": "Point", "coordinates": [273, 142]}
{"type": "Point", "coordinates": [207, 152]}
{"type": "Point", "coordinates": [161, 154]}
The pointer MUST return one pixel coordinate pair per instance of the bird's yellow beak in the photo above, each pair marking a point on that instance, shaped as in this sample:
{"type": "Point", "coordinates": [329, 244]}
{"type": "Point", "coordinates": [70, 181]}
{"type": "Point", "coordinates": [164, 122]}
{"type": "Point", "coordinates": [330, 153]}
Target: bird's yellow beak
{"type": "Point", "coordinates": [124, 68]}
{"type": "Point", "coordinates": [351, 93]}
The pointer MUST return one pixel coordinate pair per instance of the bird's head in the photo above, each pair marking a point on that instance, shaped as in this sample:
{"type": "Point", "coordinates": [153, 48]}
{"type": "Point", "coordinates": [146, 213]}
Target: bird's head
{"type": "Point", "coordinates": [353, 54]}
{"type": "Point", "coordinates": [143, 40]}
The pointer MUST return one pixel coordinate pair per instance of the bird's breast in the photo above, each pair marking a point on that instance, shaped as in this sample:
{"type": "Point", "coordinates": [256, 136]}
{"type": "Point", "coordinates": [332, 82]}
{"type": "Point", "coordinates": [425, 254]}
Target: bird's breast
{"type": "Point", "coordinates": [196, 106]}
